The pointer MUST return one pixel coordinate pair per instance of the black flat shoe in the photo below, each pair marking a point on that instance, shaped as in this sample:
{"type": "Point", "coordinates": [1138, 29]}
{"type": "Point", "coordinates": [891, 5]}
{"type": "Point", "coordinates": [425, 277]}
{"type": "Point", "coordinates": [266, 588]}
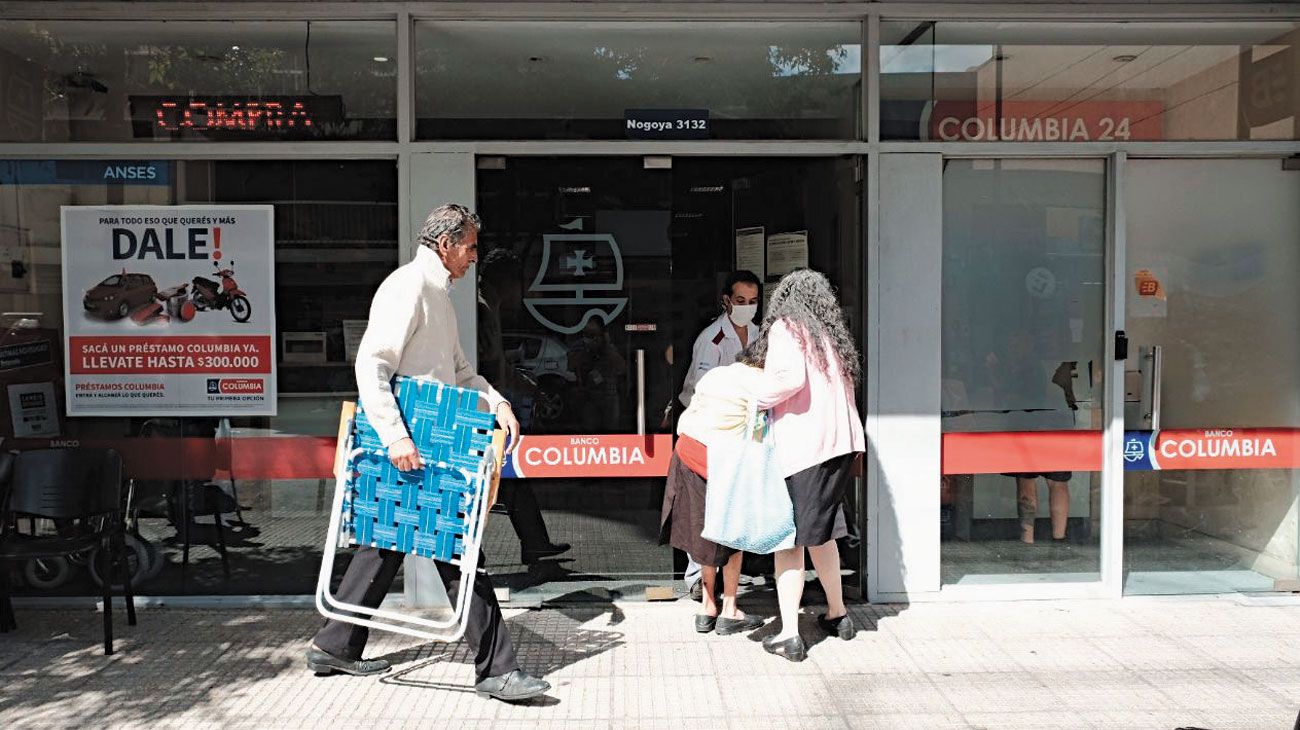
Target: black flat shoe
{"type": "Point", "coordinates": [515, 686]}
{"type": "Point", "coordinates": [704, 624]}
{"type": "Point", "coordinates": [324, 664]}
{"type": "Point", "coordinates": [792, 648]}
{"type": "Point", "coordinates": [545, 551]}
{"type": "Point", "coordinates": [738, 625]}
{"type": "Point", "coordinates": [842, 627]}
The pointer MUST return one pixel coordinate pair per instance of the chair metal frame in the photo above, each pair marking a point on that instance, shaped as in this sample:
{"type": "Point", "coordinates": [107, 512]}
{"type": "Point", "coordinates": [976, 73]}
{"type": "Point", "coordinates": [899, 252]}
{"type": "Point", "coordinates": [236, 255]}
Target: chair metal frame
{"type": "Point", "coordinates": [110, 531]}
{"type": "Point", "coordinates": [483, 481]}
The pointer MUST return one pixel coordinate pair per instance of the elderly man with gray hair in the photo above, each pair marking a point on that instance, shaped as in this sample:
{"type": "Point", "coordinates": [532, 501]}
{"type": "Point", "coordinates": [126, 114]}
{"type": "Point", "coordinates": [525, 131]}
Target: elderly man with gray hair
{"type": "Point", "coordinates": [412, 331]}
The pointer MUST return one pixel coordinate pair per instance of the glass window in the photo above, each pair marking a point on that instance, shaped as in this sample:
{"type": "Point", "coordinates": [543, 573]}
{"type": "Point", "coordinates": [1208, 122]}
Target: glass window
{"type": "Point", "coordinates": [79, 81]}
{"type": "Point", "coordinates": [1072, 82]}
{"type": "Point", "coordinates": [1214, 508]}
{"type": "Point", "coordinates": [579, 80]}
{"type": "Point", "coordinates": [335, 240]}
{"type": "Point", "coordinates": [1023, 323]}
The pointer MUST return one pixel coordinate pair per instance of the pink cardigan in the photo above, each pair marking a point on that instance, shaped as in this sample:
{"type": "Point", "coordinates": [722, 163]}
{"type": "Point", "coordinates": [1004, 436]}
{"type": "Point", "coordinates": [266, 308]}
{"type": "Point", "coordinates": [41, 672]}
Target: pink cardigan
{"type": "Point", "coordinates": [815, 415]}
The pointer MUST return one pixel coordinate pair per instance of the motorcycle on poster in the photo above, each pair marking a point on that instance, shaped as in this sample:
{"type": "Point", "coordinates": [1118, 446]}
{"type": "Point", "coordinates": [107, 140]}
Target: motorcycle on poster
{"type": "Point", "coordinates": [169, 310]}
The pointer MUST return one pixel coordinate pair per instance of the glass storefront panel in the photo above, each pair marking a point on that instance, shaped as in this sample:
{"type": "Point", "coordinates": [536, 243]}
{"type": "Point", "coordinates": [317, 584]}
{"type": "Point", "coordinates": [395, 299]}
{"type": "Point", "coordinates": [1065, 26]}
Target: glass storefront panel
{"type": "Point", "coordinates": [335, 240]}
{"type": "Point", "coordinates": [564, 80]}
{"type": "Point", "coordinates": [1023, 340]}
{"type": "Point", "coordinates": [122, 81]}
{"type": "Point", "coordinates": [672, 234]}
{"type": "Point", "coordinates": [1070, 82]}
{"type": "Point", "coordinates": [1210, 499]}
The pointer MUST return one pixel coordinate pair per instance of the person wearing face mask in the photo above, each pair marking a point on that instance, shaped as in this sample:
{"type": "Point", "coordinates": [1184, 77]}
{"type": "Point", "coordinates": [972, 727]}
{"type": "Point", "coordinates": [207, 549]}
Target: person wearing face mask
{"type": "Point", "coordinates": [719, 344]}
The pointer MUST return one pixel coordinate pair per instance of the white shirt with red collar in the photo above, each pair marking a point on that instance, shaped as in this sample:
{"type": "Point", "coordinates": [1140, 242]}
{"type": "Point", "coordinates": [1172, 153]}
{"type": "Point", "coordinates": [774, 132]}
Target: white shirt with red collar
{"type": "Point", "coordinates": [717, 345]}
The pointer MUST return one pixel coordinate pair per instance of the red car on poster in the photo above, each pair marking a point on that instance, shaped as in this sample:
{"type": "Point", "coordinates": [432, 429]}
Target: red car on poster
{"type": "Point", "coordinates": [120, 294]}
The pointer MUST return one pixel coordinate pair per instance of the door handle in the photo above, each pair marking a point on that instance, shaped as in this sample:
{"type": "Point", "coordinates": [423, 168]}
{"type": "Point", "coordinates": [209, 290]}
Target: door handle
{"type": "Point", "coordinates": [1157, 365]}
{"type": "Point", "coordinates": [640, 392]}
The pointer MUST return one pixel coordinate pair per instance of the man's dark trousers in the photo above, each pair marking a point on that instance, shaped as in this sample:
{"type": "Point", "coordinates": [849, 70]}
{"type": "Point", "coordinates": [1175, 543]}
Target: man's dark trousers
{"type": "Point", "coordinates": [367, 581]}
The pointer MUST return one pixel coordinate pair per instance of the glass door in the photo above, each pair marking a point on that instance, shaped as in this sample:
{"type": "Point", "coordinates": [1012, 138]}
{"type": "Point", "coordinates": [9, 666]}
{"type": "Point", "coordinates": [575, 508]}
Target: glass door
{"type": "Point", "coordinates": [1213, 381]}
{"type": "Point", "coordinates": [1023, 344]}
{"type": "Point", "coordinates": [596, 275]}
{"type": "Point", "coordinates": [575, 327]}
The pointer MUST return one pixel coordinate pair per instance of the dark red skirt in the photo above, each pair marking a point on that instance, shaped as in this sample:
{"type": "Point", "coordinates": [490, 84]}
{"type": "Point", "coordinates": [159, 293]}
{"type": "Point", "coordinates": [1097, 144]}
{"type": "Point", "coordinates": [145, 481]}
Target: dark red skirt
{"type": "Point", "coordinates": [682, 519]}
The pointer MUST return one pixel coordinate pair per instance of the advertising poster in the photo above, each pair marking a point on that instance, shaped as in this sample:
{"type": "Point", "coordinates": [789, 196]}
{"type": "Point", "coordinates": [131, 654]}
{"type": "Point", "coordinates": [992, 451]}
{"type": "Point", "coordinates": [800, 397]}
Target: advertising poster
{"type": "Point", "coordinates": [169, 310]}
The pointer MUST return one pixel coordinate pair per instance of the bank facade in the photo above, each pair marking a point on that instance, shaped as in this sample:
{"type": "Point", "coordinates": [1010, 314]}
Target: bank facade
{"type": "Point", "coordinates": [1066, 236]}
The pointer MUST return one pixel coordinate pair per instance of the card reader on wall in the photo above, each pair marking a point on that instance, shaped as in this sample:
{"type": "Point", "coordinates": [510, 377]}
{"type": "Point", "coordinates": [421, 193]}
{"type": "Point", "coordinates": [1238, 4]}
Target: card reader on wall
{"type": "Point", "coordinates": [302, 347]}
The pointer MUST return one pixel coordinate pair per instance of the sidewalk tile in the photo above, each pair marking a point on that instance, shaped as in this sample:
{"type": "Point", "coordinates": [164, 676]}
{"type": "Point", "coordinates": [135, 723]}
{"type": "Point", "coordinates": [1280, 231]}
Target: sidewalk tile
{"type": "Point", "coordinates": [1012, 720]}
{"type": "Point", "coordinates": [1282, 718]}
{"type": "Point", "coordinates": [1119, 691]}
{"type": "Point", "coordinates": [976, 693]}
{"type": "Point", "coordinates": [955, 656]}
{"type": "Point", "coordinates": [1154, 653]}
{"type": "Point", "coordinates": [868, 653]}
{"type": "Point", "coordinates": [909, 721]}
{"type": "Point", "coordinates": [888, 694]}
{"type": "Point", "coordinates": [786, 722]}
{"type": "Point", "coordinates": [1046, 654]}
{"type": "Point", "coordinates": [1143, 720]}
{"type": "Point", "coordinates": [768, 696]}
{"type": "Point", "coordinates": [1210, 689]}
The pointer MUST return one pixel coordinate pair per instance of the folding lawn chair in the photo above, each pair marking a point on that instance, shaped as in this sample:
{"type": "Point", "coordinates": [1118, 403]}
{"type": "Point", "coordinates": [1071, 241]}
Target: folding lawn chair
{"type": "Point", "coordinates": [437, 512]}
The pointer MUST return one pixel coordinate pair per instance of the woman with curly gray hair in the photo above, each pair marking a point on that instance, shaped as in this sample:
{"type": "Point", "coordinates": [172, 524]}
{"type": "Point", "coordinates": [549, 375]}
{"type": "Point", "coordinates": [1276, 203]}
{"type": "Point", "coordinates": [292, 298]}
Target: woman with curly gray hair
{"type": "Point", "coordinates": [810, 366]}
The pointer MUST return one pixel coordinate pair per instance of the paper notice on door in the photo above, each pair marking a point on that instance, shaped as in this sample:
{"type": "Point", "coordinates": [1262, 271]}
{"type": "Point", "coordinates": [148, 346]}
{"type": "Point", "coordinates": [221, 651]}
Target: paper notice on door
{"type": "Point", "coordinates": [353, 329]}
{"type": "Point", "coordinates": [33, 410]}
{"type": "Point", "coordinates": [787, 252]}
{"type": "Point", "coordinates": [1149, 296]}
{"type": "Point", "coordinates": [750, 251]}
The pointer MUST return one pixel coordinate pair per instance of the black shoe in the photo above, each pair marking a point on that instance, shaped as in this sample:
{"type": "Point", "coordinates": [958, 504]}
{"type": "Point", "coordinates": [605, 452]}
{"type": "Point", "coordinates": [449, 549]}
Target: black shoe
{"type": "Point", "coordinates": [546, 551]}
{"type": "Point", "coordinates": [842, 627]}
{"type": "Point", "coordinates": [704, 624]}
{"type": "Point", "coordinates": [792, 648]}
{"type": "Point", "coordinates": [515, 686]}
{"type": "Point", "coordinates": [697, 591]}
{"type": "Point", "coordinates": [738, 625]}
{"type": "Point", "coordinates": [323, 663]}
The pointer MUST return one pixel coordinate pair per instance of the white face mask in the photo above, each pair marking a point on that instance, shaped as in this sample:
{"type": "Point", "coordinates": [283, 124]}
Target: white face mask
{"type": "Point", "coordinates": [743, 314]}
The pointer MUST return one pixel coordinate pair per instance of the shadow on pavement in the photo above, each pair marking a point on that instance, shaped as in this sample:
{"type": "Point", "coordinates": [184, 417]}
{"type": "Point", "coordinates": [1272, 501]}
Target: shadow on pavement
{"type": "Point", "coordinates": [546, 640]}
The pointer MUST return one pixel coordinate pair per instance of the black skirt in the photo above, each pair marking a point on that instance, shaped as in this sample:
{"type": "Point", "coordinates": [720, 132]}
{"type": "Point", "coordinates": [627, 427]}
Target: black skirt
{"type": "Point", "coordinates": [818, 496]}
{"type": "Point", "coordinates": [682, 518]}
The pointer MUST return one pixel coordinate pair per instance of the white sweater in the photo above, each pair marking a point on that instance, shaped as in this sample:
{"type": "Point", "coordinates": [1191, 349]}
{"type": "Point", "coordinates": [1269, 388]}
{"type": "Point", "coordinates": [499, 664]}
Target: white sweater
{"type": "Point", "coordinates": [412, 331]}
{"type": "Point", "coordinates": [720, 404]}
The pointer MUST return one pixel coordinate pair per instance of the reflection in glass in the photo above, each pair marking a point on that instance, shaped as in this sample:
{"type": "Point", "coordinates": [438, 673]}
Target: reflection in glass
{"type": "Point", "coordinates": [75, 81]}
{"type": "Point", "coordinates": [1022, 345]}
{"type": "Point", "coordinates": [1079, 82]}
{"type": "Point", "coordinates": [560, 80]}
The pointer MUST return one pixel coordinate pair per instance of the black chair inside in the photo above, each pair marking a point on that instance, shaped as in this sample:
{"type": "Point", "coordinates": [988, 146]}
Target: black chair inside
{"type": "Point", "coordinates": [79, 490]}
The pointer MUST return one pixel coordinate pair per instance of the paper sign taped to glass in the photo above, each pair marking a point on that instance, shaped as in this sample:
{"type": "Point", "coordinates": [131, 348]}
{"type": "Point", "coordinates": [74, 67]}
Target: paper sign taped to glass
{"type": "Point", "coordinates": [438, 511]}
